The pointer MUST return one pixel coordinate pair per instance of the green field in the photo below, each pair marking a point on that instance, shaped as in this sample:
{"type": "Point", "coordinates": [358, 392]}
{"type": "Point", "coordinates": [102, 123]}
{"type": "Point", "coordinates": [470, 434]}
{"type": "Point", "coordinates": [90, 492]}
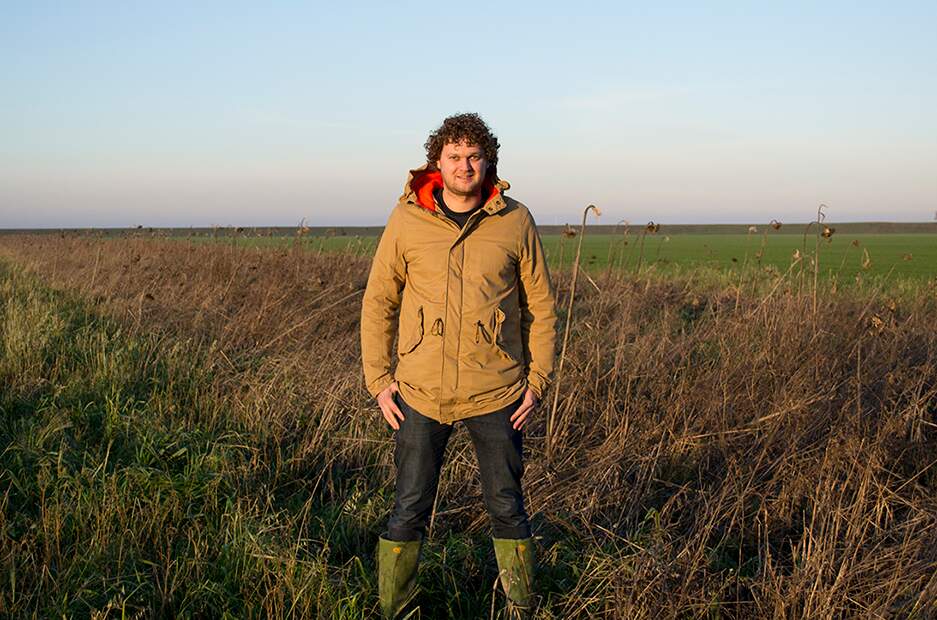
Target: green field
{"type": "Point", "coordinates": [899, 251]}
{"type": "Point", "coordinates": [898, 256]}
{"type": "Point", "coordinates": [905, 255]}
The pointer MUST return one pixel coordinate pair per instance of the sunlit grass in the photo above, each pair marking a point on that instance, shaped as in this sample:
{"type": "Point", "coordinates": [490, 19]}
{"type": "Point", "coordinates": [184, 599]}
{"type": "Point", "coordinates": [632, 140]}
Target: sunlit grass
{"type": "Point", "coordinates": [186, 432]}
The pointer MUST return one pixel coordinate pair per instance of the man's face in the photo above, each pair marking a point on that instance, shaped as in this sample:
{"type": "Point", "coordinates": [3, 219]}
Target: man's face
{"type": "Point", "coordinates": [463, 168]}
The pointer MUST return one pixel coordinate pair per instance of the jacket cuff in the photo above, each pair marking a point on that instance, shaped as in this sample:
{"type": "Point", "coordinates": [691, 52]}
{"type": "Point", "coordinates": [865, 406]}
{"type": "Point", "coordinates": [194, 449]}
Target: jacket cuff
{"type": "Point", "coordinates": [380, 384]}
{"type": "Point", "coordinates": [536, 383]}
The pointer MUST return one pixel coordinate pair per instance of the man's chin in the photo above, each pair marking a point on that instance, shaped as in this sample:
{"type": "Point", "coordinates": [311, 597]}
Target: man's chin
{"type": "Point", "coordinates": [464, 191]}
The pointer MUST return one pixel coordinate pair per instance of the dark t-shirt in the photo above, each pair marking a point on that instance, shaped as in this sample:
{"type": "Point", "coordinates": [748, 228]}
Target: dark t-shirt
{"type": "Point", "coordinates": [458, 218]}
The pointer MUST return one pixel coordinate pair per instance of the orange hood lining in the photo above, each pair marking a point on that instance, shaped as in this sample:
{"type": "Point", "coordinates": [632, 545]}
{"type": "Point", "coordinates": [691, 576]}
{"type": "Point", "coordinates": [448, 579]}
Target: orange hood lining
{"type": "Point", "coordinates": [426, 182]}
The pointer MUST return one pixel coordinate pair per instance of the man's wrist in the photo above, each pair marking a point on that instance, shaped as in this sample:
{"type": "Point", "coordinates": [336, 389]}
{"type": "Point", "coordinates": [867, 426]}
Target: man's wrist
{"type": "Point", "coordinates": [379, 385]}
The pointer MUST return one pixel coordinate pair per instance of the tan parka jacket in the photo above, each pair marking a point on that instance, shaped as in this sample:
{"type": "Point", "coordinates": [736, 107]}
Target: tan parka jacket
{"type": "Point", "coordinates": [473, 309]}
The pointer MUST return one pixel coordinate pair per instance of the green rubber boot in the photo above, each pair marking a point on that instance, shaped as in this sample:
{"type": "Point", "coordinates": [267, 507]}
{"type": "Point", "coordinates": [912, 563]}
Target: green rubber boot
{"type": "Point", "coordinates": [516, 566]}
{"type": "Point", "coordinates": [396, 574]}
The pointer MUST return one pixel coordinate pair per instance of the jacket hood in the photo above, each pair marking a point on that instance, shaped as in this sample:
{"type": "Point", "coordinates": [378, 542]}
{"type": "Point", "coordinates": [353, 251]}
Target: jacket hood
{"type": "Point", "coordinates": [423, 181]}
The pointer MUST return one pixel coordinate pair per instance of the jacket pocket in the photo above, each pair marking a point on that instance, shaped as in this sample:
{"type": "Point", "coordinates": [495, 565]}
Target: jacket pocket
{"type": "Point", "coordinates": [411, 333]}
{"type": "Point", "coordinates": [499, 340]}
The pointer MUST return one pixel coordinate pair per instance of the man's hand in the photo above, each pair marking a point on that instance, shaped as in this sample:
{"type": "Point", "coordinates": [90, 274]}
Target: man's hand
{"type": "Point", "coordinates": [389, 408]}
{"type": "Point", "coordinates": [520, 417]}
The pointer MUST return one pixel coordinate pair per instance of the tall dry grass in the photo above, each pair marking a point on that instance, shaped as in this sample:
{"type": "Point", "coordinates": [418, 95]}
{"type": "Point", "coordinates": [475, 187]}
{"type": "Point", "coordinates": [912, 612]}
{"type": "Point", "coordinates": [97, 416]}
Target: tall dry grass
{"type": "Point", "coordinates": [727, 450]}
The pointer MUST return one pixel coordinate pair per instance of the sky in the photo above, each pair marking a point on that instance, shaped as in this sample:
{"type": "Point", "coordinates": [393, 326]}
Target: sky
{"type": "Point", "coordinates": [254, 114]}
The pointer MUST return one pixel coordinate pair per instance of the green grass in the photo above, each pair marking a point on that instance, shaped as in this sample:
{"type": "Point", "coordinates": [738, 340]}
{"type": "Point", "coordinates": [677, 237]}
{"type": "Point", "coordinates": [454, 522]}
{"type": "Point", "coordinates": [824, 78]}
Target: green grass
{"type": "Point", "coordinates": [838, 255]}
{"type": "Point", "coordinates": [897, 256]}
{"type": "Point", "coordinates": [132, 484]}
{"type": "Point", "coordinates": [129, 485]}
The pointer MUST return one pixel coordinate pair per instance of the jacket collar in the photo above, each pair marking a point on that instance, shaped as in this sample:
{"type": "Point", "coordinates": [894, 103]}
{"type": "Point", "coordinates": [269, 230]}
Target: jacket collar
{"type": "Point", "coordinates": [418, 190]}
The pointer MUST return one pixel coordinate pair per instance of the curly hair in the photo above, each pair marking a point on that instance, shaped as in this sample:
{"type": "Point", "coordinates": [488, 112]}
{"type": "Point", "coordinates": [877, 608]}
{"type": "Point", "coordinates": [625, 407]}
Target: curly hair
{"type": "Point", "coordinates": [469, 127]}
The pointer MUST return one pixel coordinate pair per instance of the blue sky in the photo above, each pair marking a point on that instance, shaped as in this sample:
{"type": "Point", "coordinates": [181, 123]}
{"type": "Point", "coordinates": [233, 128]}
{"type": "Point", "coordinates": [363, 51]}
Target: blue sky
{"type": "Point", "coordinates": [179, 114]}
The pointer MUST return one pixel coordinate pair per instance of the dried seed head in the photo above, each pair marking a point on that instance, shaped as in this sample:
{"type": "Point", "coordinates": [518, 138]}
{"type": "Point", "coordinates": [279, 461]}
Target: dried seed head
{"type": "Point", "coordinates": [652, 227]}
{"type": "Point", "coordinates": [775, 224]}
{"type": "Point", "coordinates": [827, 232]}
{"type": "Point", "coordinates": [906, 257]}
{"type": "Point", "coordinates": [796, 255]}
{"type": "Point", "coordinates": [752, 229]}
{"type": "Point", "coordinates": [855, 243]}
{"type": "Point", "coordinates": [866, 259]}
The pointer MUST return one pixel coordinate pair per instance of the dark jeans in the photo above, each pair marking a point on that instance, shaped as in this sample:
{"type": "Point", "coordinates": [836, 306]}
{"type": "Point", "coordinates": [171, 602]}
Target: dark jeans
{"type": "Point", "coordinates": [418, 454]}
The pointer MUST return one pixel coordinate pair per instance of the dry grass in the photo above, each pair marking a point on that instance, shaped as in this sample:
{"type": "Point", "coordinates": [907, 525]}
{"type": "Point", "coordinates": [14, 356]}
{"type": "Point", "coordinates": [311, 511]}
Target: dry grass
{"type": "Point", "coordinates": [728, 451]}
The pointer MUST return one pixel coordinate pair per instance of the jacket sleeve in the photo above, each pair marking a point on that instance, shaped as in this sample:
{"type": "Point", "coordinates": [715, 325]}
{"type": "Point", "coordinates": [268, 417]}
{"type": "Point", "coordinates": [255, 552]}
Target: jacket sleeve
{"type": "Point", "coordinates": [380, 306]}
{"type": "Point", "coordinates": [538, 310]}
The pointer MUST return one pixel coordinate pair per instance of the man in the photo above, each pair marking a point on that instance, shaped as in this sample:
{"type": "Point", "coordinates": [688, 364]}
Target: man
{"type": "Point", "coordinates": [460, 276]}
